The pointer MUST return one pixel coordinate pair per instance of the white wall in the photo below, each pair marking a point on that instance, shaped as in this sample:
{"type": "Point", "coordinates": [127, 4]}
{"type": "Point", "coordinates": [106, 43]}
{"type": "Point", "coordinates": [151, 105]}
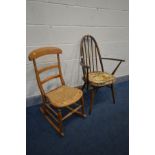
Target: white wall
{"type": "Point", "coordinates": [62, 23]}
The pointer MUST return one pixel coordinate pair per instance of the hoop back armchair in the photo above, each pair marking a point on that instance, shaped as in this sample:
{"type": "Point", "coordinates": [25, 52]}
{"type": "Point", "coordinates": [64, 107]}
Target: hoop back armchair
{"type": "Point", "coordinates": [94, 74]}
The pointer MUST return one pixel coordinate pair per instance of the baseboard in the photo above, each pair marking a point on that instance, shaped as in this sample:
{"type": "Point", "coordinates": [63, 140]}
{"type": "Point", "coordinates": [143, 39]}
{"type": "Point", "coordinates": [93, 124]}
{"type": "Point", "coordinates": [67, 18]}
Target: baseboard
{"type": "Point", "coordinates": [35, 100]}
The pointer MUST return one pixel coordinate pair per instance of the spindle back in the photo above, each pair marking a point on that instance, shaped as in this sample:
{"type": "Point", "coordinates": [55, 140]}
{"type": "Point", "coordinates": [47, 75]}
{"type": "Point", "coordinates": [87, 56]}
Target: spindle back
{"type": "Point", "coordinates": [90, 54]}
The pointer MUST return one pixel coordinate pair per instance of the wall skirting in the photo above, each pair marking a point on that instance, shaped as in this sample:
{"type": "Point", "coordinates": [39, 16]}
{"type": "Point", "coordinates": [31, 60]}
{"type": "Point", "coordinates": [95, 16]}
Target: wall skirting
{"type": "Point", "coordinates": [35, 100]}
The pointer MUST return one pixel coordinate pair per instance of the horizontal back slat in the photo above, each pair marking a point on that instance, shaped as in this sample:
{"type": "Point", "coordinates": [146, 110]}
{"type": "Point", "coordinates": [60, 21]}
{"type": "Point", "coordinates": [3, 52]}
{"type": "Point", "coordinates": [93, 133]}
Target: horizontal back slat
{"type": "Point", "coordinates": [50, 78]}
{"type": "Point", "coordinates": [40, 70]}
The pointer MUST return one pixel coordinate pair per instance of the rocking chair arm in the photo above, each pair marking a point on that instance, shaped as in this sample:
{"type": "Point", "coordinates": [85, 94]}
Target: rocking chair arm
{"type": "Point", "coordinates": [114, 59]}
{"type": "Point", "coordinates": [120, 61]}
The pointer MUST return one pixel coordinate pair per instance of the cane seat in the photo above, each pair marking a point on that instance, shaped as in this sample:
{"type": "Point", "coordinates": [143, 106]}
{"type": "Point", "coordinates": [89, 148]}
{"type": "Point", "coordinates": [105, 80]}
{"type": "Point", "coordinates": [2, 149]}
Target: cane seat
{"type": "Point", "coordinates": [64, 96]}
{"type": "Point", "coordinates": [55, 100]}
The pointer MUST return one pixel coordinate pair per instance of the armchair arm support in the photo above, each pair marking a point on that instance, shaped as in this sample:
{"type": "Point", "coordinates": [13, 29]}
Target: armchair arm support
{"type": "Point", "coordinates": [85, 67]}
{"type": "Point", "coordinates": [120, 61]}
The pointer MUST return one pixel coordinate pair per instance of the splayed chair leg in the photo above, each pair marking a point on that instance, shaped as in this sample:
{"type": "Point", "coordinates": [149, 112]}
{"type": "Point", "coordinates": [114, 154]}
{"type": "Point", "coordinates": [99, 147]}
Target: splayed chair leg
{"type": "Point", "coordinates": [113, 93]}
{"type": "Point", "coordinates": [92, 94]}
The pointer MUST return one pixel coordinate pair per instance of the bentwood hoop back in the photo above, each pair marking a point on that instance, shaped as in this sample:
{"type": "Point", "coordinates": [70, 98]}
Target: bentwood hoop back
{"type": "Point", "coordinates": [90, 54]}
{"type": "Point", "coordinates": [94, 74]}
{"type": "Point", "coordinates": [55, 100]}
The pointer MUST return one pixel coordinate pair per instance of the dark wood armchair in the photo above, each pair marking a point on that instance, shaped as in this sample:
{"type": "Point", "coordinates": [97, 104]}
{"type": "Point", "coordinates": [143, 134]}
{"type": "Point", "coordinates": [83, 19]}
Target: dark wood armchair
{"type": "Point", "coordinates": [94, 75]}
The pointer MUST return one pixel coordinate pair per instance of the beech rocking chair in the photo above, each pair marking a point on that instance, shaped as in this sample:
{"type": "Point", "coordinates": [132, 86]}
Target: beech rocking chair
{"type": "Point", "coordinates": [93, 70]}
{"type": "Point", "coordinates": [56, 99]}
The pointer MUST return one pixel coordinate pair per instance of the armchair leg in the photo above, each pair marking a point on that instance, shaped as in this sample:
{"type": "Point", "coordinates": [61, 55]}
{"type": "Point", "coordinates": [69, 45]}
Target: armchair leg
{"type": "Point", "coordinates": [82, 108]}
{"type": "Point", "coordinates": [92, 94]}
{"type": "Point", "coordinates": [113, 93]}
{"type": "Point", "coordinates": [83, 86]}
{"type": "Point", "coordinates": [87, 86]}
{"type": "Point", "coordinates": [60, 123]}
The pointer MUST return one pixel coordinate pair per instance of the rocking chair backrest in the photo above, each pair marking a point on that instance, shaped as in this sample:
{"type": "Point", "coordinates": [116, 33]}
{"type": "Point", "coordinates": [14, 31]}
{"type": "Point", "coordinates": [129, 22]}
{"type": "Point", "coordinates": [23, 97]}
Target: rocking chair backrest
{"type": "Point", "coordinates": [90, 54]}
{"type": "Point", "coordinates": [42, 52]}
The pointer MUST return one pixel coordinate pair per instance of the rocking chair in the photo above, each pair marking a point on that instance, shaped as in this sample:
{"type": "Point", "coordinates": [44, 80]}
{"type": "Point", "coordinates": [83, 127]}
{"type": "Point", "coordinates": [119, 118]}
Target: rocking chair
{"type": "Point", "coordinates": [55, 100]}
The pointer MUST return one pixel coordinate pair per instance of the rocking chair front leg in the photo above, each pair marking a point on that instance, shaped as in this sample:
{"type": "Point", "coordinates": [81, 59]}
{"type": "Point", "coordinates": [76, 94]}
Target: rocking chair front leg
{"type": "Point", "coordinates": [60, 123]}
{"type": "Point", "coordinates": [42, 109]}
{"type": "Point", "coordinates": [113, 93]}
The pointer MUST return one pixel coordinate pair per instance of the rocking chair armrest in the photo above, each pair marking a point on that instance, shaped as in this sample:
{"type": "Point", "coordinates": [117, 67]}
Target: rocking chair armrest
{"type": "Point", "coordinates": [83, 65]}
{"type": "Point", "coordinates": [114, 59]}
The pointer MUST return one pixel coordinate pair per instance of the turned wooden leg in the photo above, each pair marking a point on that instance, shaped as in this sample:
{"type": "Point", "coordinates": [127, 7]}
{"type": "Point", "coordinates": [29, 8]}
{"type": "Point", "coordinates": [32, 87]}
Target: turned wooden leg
{"type": "Point", "coordinates": [60, 123]}
{"type": "Point", "coordinates": [113, 93]}
{"type": "Point", "coordinates": [92, 94]}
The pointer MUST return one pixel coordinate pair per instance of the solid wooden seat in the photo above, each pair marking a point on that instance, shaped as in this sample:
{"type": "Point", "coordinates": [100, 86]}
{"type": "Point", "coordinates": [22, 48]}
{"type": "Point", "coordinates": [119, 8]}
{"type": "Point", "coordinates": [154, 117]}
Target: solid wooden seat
{"type": "Point", "coordinates": [100, 78]}
{"type": "Point", "coordinates": [64, 96]}
{"type": "Point", "coordinates": [55, 100]}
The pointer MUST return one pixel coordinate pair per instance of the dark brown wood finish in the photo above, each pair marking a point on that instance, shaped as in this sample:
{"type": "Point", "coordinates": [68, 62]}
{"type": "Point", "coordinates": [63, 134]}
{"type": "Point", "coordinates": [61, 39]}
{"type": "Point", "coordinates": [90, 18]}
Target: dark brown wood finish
{"type": "Point", "coordinates": [91, 61]}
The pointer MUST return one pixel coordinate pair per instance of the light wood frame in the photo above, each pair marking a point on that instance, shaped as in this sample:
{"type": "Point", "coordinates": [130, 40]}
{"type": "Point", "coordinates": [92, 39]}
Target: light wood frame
{"type": "Point", "coordinates": [52, 113]}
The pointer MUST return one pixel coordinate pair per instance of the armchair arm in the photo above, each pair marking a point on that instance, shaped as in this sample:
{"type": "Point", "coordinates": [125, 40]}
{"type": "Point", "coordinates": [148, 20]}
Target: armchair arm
{"type": "Point", "coordinates": [114, 59]}
{"type": "Point", "coordinates": [120, 61]}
